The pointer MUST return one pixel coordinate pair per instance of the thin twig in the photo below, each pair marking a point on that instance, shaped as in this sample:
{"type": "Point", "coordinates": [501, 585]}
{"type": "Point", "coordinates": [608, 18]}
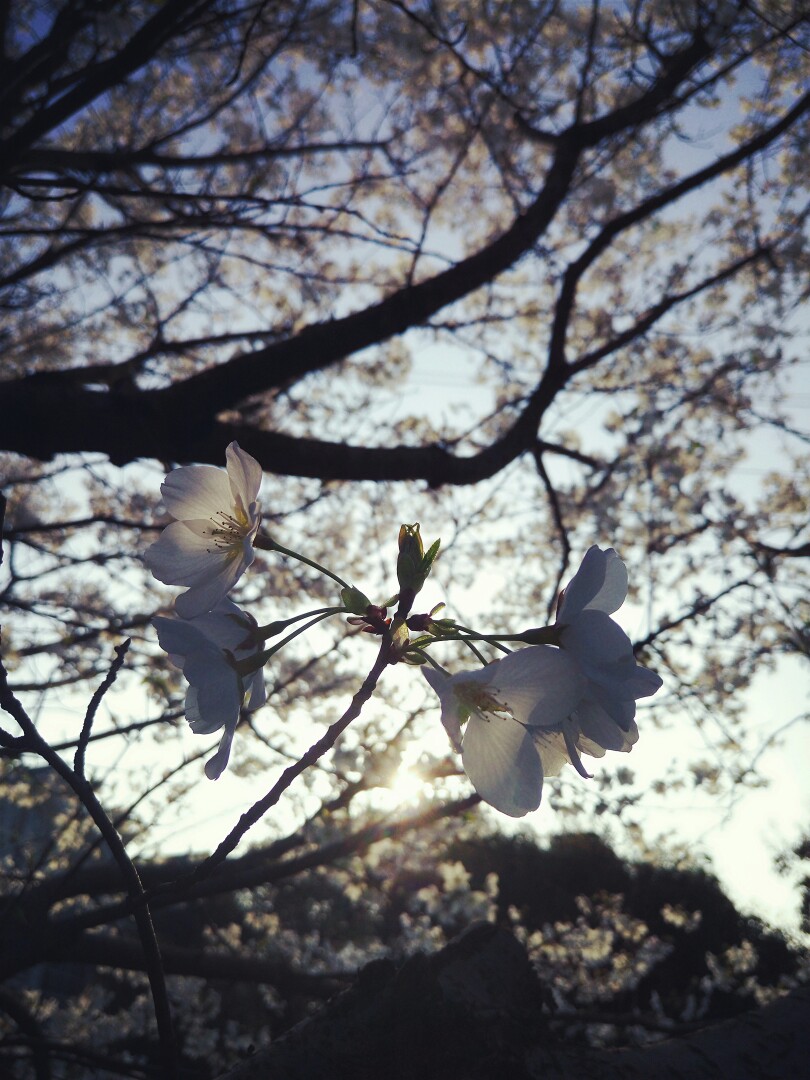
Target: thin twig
{"type": "Point", "coordinates": [95, 701]}
{"type": "Point", "coordinates": [316, 751]}
{"type": "Point", "coordinates": [140, 912]}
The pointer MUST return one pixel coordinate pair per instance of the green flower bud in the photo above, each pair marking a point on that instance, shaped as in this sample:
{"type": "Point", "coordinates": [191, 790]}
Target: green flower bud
{"type": "Point", "coordinates": [411, 553]}
{"type": "Point", "coordinates": [413, 563]}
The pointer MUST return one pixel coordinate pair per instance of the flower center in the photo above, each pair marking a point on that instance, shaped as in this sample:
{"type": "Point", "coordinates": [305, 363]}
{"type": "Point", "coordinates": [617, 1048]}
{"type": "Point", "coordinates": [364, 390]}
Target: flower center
{"type": "Point", "coordinates": [473, 697]}
{"type": "Point", "coordinates": [228, 531]}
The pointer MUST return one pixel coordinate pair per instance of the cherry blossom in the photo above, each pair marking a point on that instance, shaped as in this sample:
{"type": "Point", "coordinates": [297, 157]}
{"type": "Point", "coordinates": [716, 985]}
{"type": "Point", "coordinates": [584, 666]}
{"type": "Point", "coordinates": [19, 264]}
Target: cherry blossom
{"type": "Point", "coordinates": [540, 707]}
{"type": "Point", "coordinates": [518, 725]}
{"type": "Point", "coordinates": [208, 649]}
{"type": "Point", "coordinates": [210, 544]}
{"type": "Point", "coordinates": [614, 681]}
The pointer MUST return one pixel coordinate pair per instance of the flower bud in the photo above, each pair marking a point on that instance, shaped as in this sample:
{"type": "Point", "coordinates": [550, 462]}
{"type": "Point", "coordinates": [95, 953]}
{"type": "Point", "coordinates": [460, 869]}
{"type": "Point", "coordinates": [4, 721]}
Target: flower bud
{"type": "Point", "coordinates": [400, 640]}
{"type": "Point", "coordinates": [411, 553]}
{"type": "Point", "coordinates": [413, 564]}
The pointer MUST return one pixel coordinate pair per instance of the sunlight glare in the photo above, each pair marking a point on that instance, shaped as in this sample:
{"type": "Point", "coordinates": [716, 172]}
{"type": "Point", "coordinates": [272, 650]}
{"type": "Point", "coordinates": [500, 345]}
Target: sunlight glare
{"type": "Point", "coordinates": [407, 787]}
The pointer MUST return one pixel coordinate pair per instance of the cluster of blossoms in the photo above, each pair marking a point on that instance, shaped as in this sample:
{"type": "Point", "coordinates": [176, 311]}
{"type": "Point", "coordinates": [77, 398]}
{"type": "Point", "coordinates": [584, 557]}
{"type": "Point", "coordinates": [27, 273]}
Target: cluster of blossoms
{"type": "Point", "coordinates": [571, 690]}
{"type": "Point", "coordinates": [207, 548]}
{"type": "Point", "coordinates": [540, 707]}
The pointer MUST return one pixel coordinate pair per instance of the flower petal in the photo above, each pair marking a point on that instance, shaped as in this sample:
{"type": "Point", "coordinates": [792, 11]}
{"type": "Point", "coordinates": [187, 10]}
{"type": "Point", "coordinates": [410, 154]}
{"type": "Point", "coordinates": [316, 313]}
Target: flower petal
{"type": "Point", "coordinates": [600, 583]}
{"type": "Point", "coordinates": [606, 656]}
{"type": "Point", "coordinates": [599, 727]}
{"type": "Point", "coordinates": [226, 625]}
{"type": "Point", "coordinates": [550, 746]}
{"type": "Point", "coordinates": [213, 588]}
{"type": "Point", "coordinates": [181, 556]}
{"type": "Point", "coordinates": [599, 644]}
{"type": "Point", "coordinates": [443, 685]}
{"type": "Point", "coordinates": [256, 691]}
{"type": "Point", "coordinates": [177, 637]}
{"type": "Point", "coordinates": [540, 685]}
{"type": "Point", "coordinates": [244, 475]}
{"type": "Point", "coordinates": [216, 765]}
{"type": "Point", "coordinates": [219, 690]}
{"type": "Point", "coordinates": [592, 749]}
{"type": "Point", "coordinates": [215, 689]}
{"type": "Point", "coordinates": [196, 491]}
{"type": "Point", "coordinates": [621, 710]}
{"type": "Point", "coordinates": [500, 759]}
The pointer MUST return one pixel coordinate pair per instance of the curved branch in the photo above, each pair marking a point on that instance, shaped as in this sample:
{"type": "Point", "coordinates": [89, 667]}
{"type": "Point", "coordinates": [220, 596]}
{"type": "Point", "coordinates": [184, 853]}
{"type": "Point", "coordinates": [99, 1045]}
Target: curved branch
{"type": "Point", "coordinates": [644, 210]}
{"type": "Point", "coordinates": [126, 867]}
{"type": "Point", "coordinates": [49, 413]}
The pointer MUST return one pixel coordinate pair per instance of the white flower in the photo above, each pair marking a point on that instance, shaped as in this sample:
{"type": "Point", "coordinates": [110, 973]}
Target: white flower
{"type": "Point", "coordinates": [518, 728]}
{"type": "Point", "coordinates": [540, 707]}
{"type": "Point", "coordinates": [207, 649]}
{"type": "Point", "coordinates": [210, 545]}
{"type": "Point", "coordinates": [606, 715]}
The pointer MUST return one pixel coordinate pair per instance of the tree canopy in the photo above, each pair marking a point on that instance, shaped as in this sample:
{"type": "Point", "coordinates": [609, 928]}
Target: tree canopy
{"type": "Point", "coordinates": [533, 274]}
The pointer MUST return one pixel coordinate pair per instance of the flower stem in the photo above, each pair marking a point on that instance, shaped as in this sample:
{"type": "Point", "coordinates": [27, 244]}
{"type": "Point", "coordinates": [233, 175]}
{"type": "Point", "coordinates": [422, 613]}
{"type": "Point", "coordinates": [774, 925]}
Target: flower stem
{"type": "Point", "coordinates": [467, 636]}
{"type": "Point", "coordinates": [324, 614]}
{"type": "Point", "coordinates": [476, 651]}
{"type": "Point", "coordinates": [267, 544]}
{"type": "Point", "coordinates": [269, 630]}
{"type": "Point", "coordinates": [316, 751]}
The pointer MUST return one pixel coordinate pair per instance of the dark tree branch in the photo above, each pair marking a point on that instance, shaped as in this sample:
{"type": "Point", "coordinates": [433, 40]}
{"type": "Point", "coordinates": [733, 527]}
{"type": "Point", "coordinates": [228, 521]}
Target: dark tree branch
{"type": "Point", "coordinates": [80, 163]}
{"type": "Point", "coordinates": [106, 950]}
{"type": "Point", "coordinates": [179, 423]}
{"type": "Point", "coordinates": [126, 867]}
{"type": "Point", "coordinates": [28, 1025]}
{"type": "Point", "coordinates": [113, 71]}
{"type": "Point", "coordinates": [167, 883]}
{"type": "Point", "coordinates": [645, 209]}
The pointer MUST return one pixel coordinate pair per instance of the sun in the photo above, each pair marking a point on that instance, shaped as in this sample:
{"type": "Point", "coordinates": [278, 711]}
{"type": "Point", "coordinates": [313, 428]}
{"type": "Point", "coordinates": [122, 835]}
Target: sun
{"type": "Point", "coordinates": [408, 784]}
{"type": "Point", "coordinates": [406, 787]}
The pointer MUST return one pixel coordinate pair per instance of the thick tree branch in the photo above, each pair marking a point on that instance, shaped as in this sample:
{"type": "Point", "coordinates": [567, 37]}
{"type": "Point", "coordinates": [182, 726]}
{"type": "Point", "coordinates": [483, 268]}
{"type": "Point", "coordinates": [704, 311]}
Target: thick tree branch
{"type": "Point", "coordinates": [179, 422]}
{"type": "Point", "coordinates": [53, 412]}
{"type": "Point", "coordinates": [168, 884]}
{"type": "Point", "coordinates": [105, 950]}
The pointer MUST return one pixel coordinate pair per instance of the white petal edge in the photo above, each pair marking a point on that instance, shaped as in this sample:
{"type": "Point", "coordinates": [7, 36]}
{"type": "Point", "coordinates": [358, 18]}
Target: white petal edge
{"type": "Point", "coordinates": [598, 726]}
{"type": "Point", "coordinates": [244, 474]}
{"type": "Point", "coordinates": [443, 685]}
{"type": "Point", "coordinates": [216, 765]}
{"type": "Point", "coordinates": [599, 583]}
{"type": "Point", "coordinates": [201, 598]}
